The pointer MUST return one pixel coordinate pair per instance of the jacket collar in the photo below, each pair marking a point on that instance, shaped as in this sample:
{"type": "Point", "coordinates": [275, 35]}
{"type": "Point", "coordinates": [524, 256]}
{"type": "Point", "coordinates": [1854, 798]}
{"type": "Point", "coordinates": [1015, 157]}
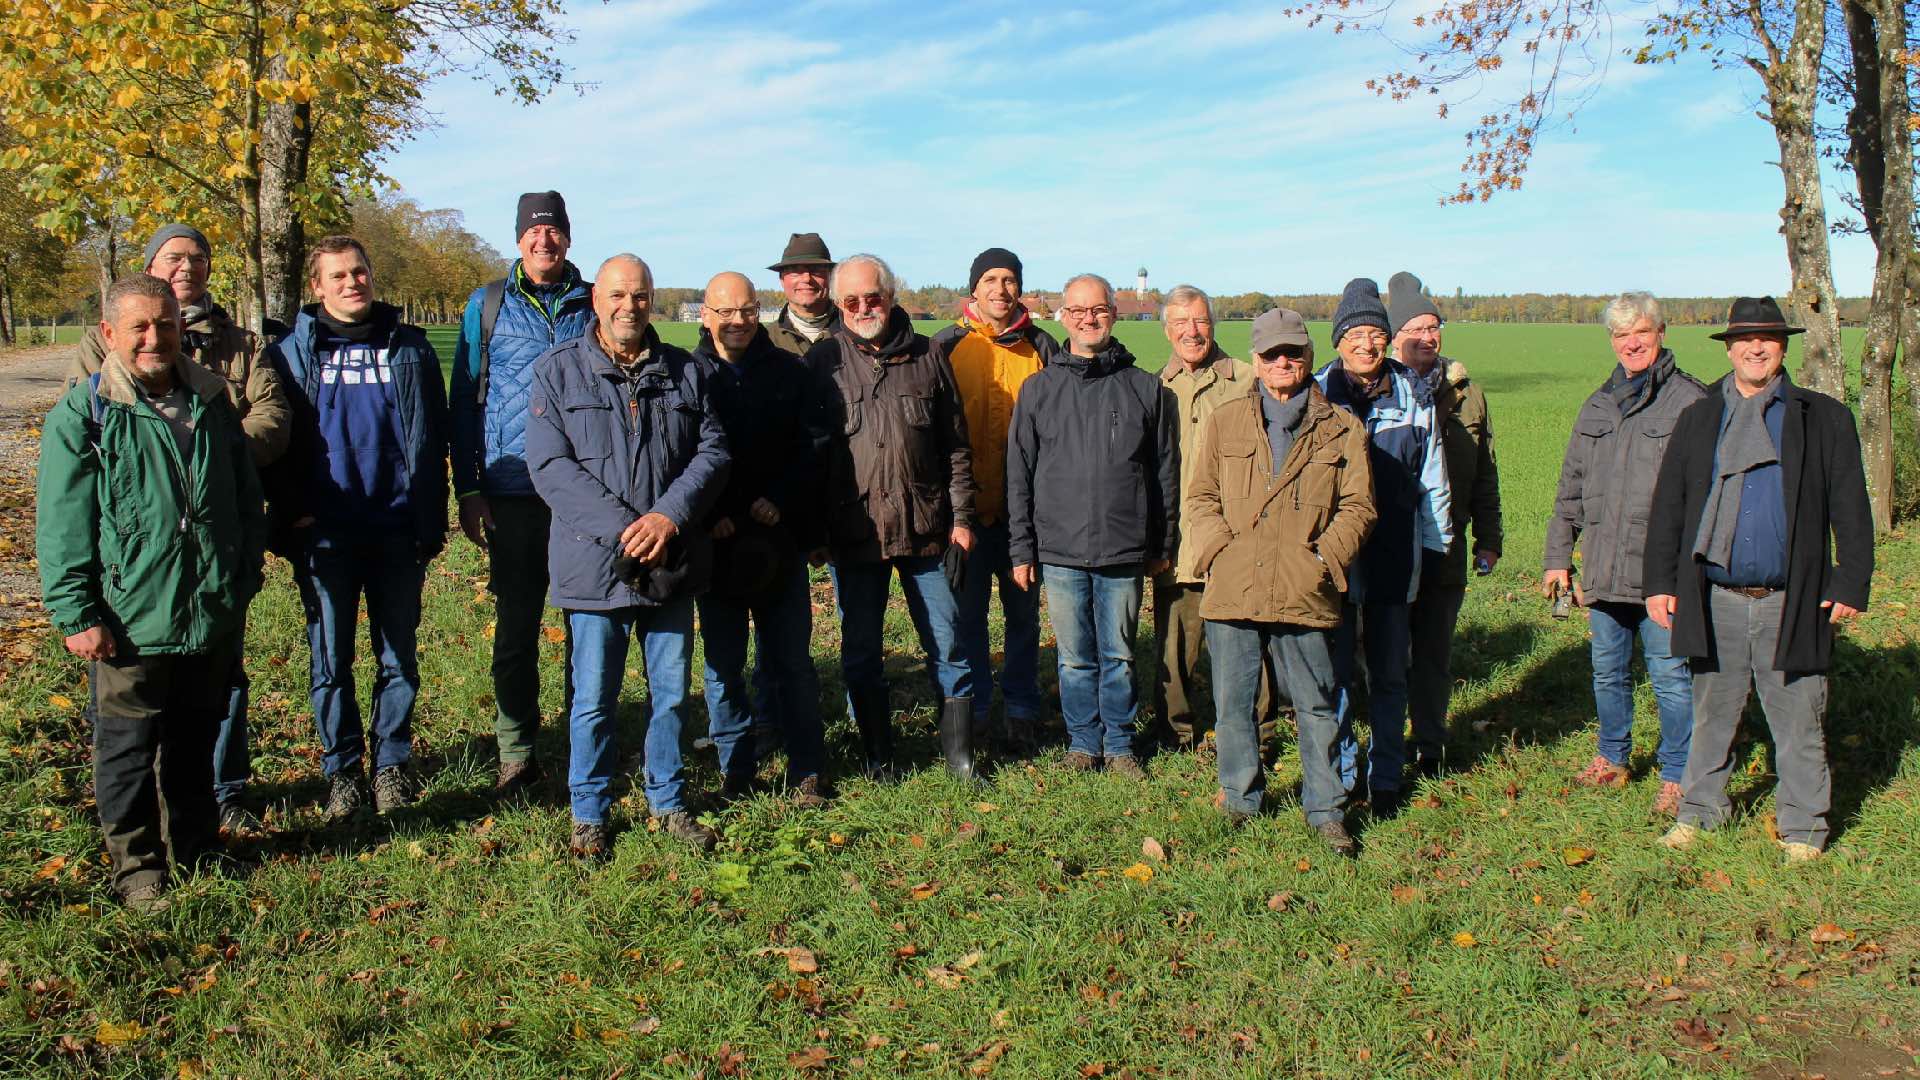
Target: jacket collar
{"type": "Point", "coordinates": [895, 342]}
{"type": "Point", "coordinates": [1112, 357]}
{"type": "Point", "coordinates": [117, 384]}
{"type": "Point", "coordinates": [1217, 363]}
{"type": "Point", "coordinates": [758, 350]}
{"type": "Point", "coordinates": [1018, 332]}
{"type": "Point", "coordinates": [603, 365]}
{"type": "Point", "coordinates": [1342, 389]}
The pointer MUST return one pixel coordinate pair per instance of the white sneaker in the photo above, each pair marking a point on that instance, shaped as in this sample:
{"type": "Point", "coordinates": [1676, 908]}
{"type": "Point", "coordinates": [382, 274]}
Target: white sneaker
{"type": "Point", "coordinates": [1680, 837]}
{"type": "Point", "coordinates": [1798, 852]}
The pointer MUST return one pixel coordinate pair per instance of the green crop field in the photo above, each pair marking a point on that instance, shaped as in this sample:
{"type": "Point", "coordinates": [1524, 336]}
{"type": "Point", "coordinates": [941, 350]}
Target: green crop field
{"type": "Point", "coordinates": [1046, 924]}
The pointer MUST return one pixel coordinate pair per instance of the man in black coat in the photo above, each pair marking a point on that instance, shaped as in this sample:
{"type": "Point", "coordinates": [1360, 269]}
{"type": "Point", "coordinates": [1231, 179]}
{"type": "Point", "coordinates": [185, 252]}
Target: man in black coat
{"type": "Point", "coordinates": [1760, 541]}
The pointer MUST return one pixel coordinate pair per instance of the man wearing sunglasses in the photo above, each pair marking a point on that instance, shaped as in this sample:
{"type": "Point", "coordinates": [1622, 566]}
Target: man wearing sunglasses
{"type": "Point", "coordinates": [899, 475]}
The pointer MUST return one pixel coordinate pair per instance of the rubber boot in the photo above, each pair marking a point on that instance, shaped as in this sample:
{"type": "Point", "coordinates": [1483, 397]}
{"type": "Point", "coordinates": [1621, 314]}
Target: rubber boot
{"type": "Point", "coordinates": [873, 715]}
{"type": "Point", "coordinates": [956, 736]}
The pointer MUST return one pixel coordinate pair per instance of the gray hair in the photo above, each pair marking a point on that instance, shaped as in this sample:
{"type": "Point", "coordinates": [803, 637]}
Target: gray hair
{"type": "Point", "coordinates": [1106, 286]}
{"type": "Point", "coordinates": [629, 257]}
{"type": "Point", "coordinates": [140, 284]}
{"type": "Point", "coordinates": [1629, 308]}
{"type": "Point", "coordinates": [889, 284]}
{"type": "Point", "coordinates": [1181, 296]}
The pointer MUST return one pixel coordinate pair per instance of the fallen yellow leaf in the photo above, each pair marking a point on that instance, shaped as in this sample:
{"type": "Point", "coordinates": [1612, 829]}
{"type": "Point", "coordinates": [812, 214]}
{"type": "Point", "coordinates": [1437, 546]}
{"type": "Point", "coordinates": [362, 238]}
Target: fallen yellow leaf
{"type": "Point", "coordinates": [1576, 856]}
{"type": "Point", "coordinates": [1139, 871]}
{"type": "Point", "coordinates": [1464, 940]}
{"type": "Point", "coordinates": [1829, 934]}
{"type": "Point", "coordinates": [112, 1034]}
{"type": "Point", "coordinates": [60, 701]}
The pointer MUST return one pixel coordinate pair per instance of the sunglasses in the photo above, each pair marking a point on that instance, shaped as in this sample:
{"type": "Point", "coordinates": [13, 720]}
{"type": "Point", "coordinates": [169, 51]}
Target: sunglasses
{"type": "Point", "coordinates": [864, 302]}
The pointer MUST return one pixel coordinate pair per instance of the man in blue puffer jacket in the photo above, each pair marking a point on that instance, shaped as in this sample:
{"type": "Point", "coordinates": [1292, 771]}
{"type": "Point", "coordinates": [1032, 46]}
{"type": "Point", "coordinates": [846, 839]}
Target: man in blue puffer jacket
{"type": "Point", "coordinates": [542, 302]}
{"type": "Point", "coordinates": [360, 504]}
{"type": "Point", "coordinates": [1411, 493]}
{"type": "Point", "coordinates": [625, 446]}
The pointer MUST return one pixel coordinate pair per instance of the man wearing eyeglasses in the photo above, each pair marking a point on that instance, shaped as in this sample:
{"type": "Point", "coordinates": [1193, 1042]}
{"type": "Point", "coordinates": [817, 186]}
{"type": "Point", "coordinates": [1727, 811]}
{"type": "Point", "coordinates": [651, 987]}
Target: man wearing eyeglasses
{"type": "Point", "coordinates": [542, 301]}
{"type": "Point", "coordinates": [1466, 433]}
{"type": "Point", "coordinates": [1415, 517]}
{"type": "Point", "coordinates": [809, 314]}
{"type": "Point", "coordinates": [899, 475]}
{"type": "Point", "coordinates": [993, 349]}
{"type": "Point", "coordinates": [764, 524]}
{"type": "Point", "coordinates": [1092, 487]}
{"type": "Point", "coordinates": [180, 256]}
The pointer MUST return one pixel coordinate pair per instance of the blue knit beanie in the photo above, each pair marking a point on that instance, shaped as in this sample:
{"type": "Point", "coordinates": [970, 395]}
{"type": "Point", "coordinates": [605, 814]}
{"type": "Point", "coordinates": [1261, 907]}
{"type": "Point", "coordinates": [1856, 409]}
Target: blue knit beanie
{"type": "Point", "coordinates": [1359, 306]}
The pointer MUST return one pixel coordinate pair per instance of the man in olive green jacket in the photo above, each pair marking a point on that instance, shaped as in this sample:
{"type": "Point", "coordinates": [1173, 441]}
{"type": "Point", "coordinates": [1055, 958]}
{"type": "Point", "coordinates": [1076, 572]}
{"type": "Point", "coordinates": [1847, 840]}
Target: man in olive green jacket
{"type": "Point", "coordinates": [1280, 501]}
{"type": "Point", "coordinates": [1466, 438]}
{"type": "Point", "coordinates": [180, 256]}
{"type": "Point", "coordinates": [150, 532]}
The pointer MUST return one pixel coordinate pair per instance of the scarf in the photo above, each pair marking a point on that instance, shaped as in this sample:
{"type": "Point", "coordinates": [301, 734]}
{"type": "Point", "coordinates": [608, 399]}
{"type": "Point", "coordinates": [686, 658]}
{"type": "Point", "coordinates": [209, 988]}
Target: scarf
{"type": "Point", "coordinates": [1744, 446]}
{"type": "Point", "coordinates": [811, 327]}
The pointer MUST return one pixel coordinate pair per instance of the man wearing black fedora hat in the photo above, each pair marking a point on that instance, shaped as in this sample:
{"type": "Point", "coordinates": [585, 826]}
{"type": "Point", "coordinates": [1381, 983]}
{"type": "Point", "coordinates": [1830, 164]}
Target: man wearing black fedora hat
{"type": "Point", "coordinates": [808, 316]}
{"type": "Point", "coordinates": [1760, 542]}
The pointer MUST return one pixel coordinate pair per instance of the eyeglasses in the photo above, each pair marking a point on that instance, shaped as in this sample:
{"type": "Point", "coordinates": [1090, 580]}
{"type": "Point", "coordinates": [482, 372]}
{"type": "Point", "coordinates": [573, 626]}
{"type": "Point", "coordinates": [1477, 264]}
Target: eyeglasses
{"type": "Point", "coordinates": [728, 314]}
{"type": "Point", "coordinates": [872, 301]}
{"type": "Point", "coordinates": [174, 258]}
{"type": "Point", "coordinates": [1421, 331]}
{"type": "Point", "coordinates": [1189, 324]}
{"type": "Point", "coordinates": [1083, 314]}
{"type": "Point", "coordinates": [1364, 335]}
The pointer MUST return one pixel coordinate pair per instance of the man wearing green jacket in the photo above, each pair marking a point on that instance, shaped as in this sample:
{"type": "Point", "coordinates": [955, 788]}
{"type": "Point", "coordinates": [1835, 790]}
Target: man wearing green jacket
{"type": "Point", "coordinates": [150, 534]}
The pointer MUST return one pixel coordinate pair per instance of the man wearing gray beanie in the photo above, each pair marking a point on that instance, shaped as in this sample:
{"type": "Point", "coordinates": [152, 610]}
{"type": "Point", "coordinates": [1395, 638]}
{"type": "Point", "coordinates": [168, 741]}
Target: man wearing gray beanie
{"type": "Point", "coordinates": [1416, 517]}
{"type": "Point", "coordinates": [1466, 435]}
{"type": "Point", "coordinates": [180, 255]}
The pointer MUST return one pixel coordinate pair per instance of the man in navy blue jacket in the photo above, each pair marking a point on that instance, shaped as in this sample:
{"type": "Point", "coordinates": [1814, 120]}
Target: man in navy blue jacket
{"type": "Point", "coordinates": [542, 301]}
{"type": "Point", "coordinates": [626, 449]}
{"type": "Point", "coordinates": [361, 501]}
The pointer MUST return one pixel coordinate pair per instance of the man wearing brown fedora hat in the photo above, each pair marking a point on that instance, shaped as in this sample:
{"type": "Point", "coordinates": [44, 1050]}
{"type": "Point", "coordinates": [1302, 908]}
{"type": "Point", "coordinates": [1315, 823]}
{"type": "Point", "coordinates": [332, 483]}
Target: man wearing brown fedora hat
{"type": "Point", "coordinates": [808, 316]}
{"type": "Point", "coordinates": [1759, 543]}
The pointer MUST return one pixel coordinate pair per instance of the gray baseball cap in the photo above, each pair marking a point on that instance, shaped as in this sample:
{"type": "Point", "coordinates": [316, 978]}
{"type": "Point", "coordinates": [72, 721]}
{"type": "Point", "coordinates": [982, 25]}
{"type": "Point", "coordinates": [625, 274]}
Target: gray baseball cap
{"type": "Point", "coordinates": [1280, 326]}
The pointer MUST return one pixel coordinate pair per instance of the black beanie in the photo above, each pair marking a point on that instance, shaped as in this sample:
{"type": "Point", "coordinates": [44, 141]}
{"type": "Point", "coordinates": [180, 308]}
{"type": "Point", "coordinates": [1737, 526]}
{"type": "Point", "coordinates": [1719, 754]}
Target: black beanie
{"type": "Point", "coordinates": [995, 259]}
{"type": "Point", "coordinates": [1359, 306]}
{"type": "Point", "coordinates": [1406, 301]}
{"type": "Point", "coordinates": [541, 208]}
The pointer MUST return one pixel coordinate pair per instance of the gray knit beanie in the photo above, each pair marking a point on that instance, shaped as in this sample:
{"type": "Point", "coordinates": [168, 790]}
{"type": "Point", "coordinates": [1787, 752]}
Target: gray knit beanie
{"type": "Point", "coordinates": [1406, 301]}
{"type": "Point", "coordinates": [171, 232]}
{"type": "Point", "coordinates": [1359, 306]}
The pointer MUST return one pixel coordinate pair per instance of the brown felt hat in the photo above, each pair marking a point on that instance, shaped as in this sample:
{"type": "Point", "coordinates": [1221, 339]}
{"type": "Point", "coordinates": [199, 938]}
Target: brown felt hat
{"type": "Point", "coordinates": [804, 249]}
{"type": "Point", "coordinates": [1756, 315]}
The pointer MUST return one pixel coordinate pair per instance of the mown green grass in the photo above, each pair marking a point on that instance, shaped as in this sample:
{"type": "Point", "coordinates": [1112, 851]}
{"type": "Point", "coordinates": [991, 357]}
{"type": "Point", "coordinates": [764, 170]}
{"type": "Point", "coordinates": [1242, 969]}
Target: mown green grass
{"type": "Point", "coordinates": [994, 931]}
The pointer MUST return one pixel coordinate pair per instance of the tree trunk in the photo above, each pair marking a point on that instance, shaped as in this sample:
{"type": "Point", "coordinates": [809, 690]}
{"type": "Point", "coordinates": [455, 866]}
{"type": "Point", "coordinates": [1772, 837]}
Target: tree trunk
{"type": "Point", "coordinates": [1793, 79]}
{"type": "Point", "coordinates": [108, 261]}
{"type": "Point", "coordinates": [286, 141]}
{"type": "Point", "coordinates": [6, 308]}
{"type": "Point", "coordinates": [1910, 340]}
{"type": "Point", "coordinates": [1877, 124]}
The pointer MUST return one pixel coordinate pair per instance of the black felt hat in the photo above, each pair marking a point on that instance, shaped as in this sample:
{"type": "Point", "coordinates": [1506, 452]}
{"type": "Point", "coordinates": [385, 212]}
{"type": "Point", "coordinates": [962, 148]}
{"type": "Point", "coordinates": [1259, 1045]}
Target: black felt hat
{"type": "Point", "coordinates": [804, 249]}
{"type": "Point", "coordinates": [1756, 315]}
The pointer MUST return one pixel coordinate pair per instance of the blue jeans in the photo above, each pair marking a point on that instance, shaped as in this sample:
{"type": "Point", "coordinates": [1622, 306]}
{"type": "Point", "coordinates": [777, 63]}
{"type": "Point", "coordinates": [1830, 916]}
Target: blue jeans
{"type": "Point", "coordinates": [232, 764]}
{"type": "Point", "coordinates": [862, 589]}
{"type": "Point", "coordinates": [1614, 626]}
{"type": "Point", "coordinates": [988, 562]}
{"type": "Point", "coordinates": [331, 574]}
{"type": "Point", "coordinates": [783, 626]}
{"type": "Point", "coordinates": [1302, 657]}
{"type": "Point", "coordinates": [1384, 626]}
{"type": "Point", "coordinates": [1096, 614]}
{"type": "Point", "coordinates": [600, 641]}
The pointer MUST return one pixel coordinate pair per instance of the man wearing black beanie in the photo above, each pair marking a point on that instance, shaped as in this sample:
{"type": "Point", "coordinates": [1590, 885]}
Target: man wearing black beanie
{"type": "Point", "coordinates": [993, 348]}
{"type": "Point", "coordinates": [1416, 516]}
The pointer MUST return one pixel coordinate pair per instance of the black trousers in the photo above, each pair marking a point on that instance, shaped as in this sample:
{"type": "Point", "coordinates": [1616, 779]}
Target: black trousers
{"type": "Point", "coordinates": [155, 720]}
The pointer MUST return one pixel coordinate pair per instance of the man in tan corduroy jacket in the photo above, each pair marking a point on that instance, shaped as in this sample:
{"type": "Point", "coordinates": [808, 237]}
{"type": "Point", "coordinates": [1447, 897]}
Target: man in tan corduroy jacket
{"type": "Point", "coordinates": [1280, 500]}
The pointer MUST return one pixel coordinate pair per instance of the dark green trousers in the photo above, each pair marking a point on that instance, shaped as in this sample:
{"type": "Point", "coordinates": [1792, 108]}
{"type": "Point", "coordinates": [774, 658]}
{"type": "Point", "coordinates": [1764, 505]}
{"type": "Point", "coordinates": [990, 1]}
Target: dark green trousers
{"type": "Point", "coordinates": [517, 577]}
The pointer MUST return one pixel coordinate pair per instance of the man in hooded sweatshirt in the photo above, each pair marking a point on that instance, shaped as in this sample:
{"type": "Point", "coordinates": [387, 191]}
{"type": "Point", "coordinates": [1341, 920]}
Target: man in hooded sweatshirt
{"type": "Point", "coordinates": [1093, 474]}
{"type": "Point", "coordinates": [1415, 517]}
{"type": "Point", "coordinates": [361, 498]}
{"type": "Point", "coordinates": [994, 349]}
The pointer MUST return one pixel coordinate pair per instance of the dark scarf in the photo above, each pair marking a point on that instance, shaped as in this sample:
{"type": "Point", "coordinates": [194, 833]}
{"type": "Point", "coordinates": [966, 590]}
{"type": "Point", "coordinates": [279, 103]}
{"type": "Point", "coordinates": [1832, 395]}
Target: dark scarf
{"type": "Point", "coordinates": [1744, 446]}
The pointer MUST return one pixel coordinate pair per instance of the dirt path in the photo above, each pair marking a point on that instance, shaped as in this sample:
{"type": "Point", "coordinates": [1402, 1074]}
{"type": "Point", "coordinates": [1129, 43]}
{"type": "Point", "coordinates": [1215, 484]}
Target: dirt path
{"type": "Point", "coordinates": [30, 382]}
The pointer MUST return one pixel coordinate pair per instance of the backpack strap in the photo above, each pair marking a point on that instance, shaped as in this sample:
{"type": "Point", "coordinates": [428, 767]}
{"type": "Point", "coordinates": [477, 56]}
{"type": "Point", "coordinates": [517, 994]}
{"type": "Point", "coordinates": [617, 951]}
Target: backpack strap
{"type": "Point", "coordinates": [490, 301]}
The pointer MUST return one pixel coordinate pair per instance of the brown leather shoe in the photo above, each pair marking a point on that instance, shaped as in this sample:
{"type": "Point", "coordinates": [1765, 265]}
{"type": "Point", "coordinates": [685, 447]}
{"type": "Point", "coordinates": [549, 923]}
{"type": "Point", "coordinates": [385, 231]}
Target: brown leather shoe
{"type": "Point", "coordinates": [1080, 762]}
{"type": "Point", "coordinates": [515, 777]}
{"type": "Point", "coordinates": [1126, 766]}
{"type": "Point", "coordinates": [589, 841]}
{"type": "Point", "coordinates": [683, 827]}
{"type": "Point", "coordinates": [809, 793]}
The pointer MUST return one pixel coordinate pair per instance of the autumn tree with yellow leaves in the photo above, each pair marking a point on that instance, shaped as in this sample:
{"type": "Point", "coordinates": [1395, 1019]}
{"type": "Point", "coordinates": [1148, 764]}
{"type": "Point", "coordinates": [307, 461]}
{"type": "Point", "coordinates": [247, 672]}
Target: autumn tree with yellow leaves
{"type": "Point", "coordinates": [248, 118]}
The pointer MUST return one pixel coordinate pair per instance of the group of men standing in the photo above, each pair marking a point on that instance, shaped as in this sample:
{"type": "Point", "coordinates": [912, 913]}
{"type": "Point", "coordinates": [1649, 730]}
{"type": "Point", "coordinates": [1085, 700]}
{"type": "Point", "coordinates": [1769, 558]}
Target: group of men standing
{"type": "Point", "coordinates": [1307, 528]}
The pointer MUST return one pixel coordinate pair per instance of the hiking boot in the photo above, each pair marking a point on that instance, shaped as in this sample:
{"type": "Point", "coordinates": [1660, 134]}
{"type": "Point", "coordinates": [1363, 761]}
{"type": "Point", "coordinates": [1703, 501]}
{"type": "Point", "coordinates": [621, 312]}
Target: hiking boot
{"type": "Point", "coordinates": [589, 841]}
{"type": "Point", "coordinates": [237, 821]}
{"type": "Point", "coordinates": [682, 827]}
{"type": "Point", "coordinates": [346, 795]}
{"type": "Point", "coordinates": [1602, 773]}
{"type": "Point", "coordinates": [1080, 762]}
{"type": "Point", "coordinates": [148, 899]}
{"type": "Point", "coordinates": [1797, 852]}
{"type": "Point", "coordinates": [1127, 766]}
{"type": "Point", "coordinates": [515, 777]}
{"type": "Point", "coordinates": [809, 793]}
{"type": "Point", "coordinates": [873, 715]}
{"type": "Point", "coordinates": [1337, 838]}
{"type": "Point", "coordinates": [736, 786]}
{"type": "Point", "coordinates": [1680, 837]}
{"type": "Point", "coordinates": [1386, 802]}
{"type": "Point", "coordinates": [1667, 803]}
{"type": "Point", "coordinates": [392, 790]}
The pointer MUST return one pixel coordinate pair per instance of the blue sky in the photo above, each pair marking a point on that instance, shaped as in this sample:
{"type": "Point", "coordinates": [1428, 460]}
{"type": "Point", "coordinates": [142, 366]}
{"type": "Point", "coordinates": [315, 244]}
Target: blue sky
{"type": "Point", "coordinates": [1227, 146]}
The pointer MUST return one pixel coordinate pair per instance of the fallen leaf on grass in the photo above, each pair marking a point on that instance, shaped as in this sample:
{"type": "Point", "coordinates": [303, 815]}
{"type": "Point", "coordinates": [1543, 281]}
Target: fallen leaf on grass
{"type": "Point", "coordinates": [1829, 934]}
{"type": "Point", "coordinates": [112, 1034]}
{"type": "Point", "coordinates": [799, 961]}
{"type": "Point", "coordinates": [1577, 856]}
{"type": "Point", "coordinates": [60, 701]}
{"type": "Point", "coordinates": [191, 1069]}
{"type": "Point", "coordinates": [1715, 881]}
{"type": "Point", "coordinates": [1151, 849]}
{"type": "Point", "coordinates": [924, 890]}
{"type": "Point", "coordinates": [1408, 894]}
{"type": "Point", "coordinates": [813, 1057]}
{"type": "Point", "coordinates": [1279, 901]}
{"type": "Point", "coordinates": [1092, 1069]}
{"type": "Point", "coordinates": [986, 1056]}
{"type": "Point", "coordinates": [1303, 865]}
{"type": "Point", "coordinates": [51, 868]}
{"type": "Point", "coordinates": [1464, 940]}
{"type": "Point", "coordinates": [985, 807]}
{"type": "Point", "coordinates": [384, 910]}
{"type": "Point", "coordinates": [1139, 872]}
{"type": "Point", "coordinates": [554, 634]}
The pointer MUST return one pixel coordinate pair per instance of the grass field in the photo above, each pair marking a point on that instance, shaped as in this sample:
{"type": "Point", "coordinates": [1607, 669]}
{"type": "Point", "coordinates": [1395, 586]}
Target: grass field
{"type": "Point", "coordinates": [1506, 924]}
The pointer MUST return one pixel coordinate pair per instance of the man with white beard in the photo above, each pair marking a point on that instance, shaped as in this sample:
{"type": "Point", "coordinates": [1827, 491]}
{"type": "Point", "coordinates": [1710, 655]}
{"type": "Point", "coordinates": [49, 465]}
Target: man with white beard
{"type": "Point", "coordinates": [899, 492]}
